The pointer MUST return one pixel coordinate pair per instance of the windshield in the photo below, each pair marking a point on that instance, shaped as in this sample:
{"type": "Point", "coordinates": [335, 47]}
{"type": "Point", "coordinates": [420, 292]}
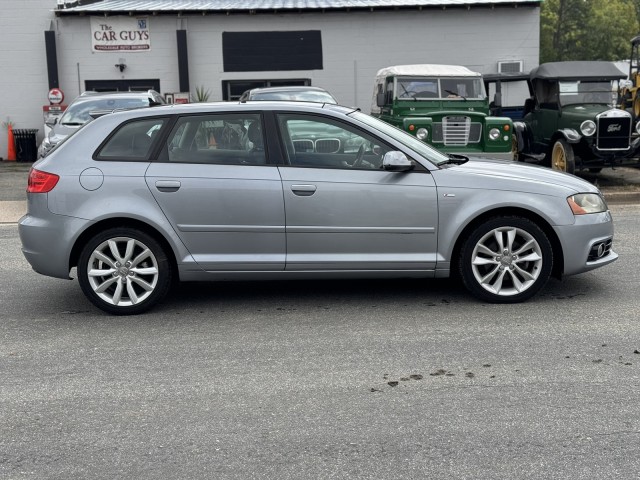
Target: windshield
{"type": "Point", "coordinates": [78, 112]}
{"type": "Point", "coordinates": [406, 139]}
{"type": "Point", "coordinates": [311, 96]}
{"type": "Point", "coordinates": [436, 88]}
{"type": "Point", "coordinates": [579, 92]}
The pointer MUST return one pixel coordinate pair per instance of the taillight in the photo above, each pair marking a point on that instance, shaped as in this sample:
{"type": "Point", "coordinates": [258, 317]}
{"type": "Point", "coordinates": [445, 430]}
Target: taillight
{"type": "Point", "coordinates": [41, 182]}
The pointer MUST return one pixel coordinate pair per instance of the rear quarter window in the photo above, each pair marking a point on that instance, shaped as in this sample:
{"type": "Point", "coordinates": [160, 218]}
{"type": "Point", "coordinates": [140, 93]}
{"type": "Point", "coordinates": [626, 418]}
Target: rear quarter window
{"type": "Point", "coordinates": [132, 141]}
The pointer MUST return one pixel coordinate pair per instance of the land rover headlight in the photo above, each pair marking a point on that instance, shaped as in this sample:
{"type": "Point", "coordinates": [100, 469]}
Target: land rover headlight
{"type": "Point", "coordinates": [583, 203]}
{"type": "Point", "coordinates": [588, 128]}
{"type": "Point", "coordinates": [494, 134]}
{"type": "Point", "coordinates": [422, 134]}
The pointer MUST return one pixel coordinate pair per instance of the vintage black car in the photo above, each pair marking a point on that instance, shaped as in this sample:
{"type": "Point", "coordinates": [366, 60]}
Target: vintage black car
{"type": "Point", "coordinates": [570, 120]}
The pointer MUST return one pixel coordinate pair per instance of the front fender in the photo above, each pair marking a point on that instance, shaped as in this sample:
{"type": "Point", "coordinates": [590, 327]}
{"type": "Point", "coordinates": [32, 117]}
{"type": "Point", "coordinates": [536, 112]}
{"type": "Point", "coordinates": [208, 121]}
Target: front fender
{"type": "Point", "coordinates": [523, 136]}
{"type": "Point", "coordinates": [462, 206]}
{"type": "Point", "coordinates": [418, 122]}
{"type": "Point", "coordinates": [569, 134]}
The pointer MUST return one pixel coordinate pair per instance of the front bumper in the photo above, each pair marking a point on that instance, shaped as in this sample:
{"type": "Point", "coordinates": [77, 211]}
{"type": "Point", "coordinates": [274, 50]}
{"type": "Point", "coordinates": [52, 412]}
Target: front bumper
{"type": "Point", "coordinates": [582, 238]}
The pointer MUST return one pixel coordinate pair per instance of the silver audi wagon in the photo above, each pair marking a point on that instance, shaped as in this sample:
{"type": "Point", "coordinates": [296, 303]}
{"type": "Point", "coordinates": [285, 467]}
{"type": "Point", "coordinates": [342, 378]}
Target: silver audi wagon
{"type": "Point", "coordinates": [282, 190]}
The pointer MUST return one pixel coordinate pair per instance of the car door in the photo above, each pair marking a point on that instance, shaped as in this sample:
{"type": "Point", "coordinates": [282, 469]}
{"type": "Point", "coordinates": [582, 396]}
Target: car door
{"type": "Point", "coordinates": [344, 212]}
{"type": "Point", "coordinates": [223, 198]}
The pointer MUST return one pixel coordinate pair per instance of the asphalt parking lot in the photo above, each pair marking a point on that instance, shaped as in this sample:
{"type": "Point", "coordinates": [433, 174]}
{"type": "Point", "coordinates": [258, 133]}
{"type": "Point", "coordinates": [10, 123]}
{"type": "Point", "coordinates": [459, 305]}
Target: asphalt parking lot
{"type": "Point", "coordinates": [619, 185]}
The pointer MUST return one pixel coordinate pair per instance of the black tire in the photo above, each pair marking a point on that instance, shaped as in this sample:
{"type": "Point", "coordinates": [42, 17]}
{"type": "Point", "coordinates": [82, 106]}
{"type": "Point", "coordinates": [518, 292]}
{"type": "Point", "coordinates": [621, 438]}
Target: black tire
{"type": "Point", "coordinates": [562, 157]}
{"type": "Point", "coordinates": [509, 274]}
{"type": "Point", "coordinates": [135, 271]}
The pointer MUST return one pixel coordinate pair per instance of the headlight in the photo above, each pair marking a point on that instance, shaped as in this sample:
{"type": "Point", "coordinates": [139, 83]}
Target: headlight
{"type": "Point", "coordinates": [583, 203]}
{"type": "Point", "coordinates": [494, 134]}
{"type": "Point", "coordinates": [638, 127]}
{"type": "Point", "coordinates": [422, 134]}
{"type": "Point", "coordinates": [588, 128]}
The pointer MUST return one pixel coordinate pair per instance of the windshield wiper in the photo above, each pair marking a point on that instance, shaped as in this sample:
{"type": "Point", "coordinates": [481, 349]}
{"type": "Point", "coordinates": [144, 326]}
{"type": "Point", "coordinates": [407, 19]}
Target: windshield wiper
{"type": "Point", "coordinates": [455, 159]}
{"type": "Point", "coordinates": [456, 94]}
{"type": "Point", "coordinates": [73, 124]}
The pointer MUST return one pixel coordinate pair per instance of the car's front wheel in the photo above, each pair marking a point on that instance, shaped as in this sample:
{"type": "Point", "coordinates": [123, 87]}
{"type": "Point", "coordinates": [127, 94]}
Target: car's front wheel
{"type": "Point", "coordinates": [562, 157]}
{"type": "Point", "coordinates": [124, 271]}
{"type": "Point", "coordinates": [506, 260]}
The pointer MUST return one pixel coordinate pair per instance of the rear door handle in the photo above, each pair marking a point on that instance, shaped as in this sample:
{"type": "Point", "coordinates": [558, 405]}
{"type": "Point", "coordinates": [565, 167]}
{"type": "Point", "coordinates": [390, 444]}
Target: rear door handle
{"type": "Point", "coordinates": [303, 190]}
{"type": "Point", "coordinates": [168, 185]}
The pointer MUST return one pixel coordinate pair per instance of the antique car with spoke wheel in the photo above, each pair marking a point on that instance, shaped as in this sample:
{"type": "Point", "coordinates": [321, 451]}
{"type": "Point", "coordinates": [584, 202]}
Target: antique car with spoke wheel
{"type": "Point", "coordinates": [137, 200]}
{"type": "Point", "coordinates": [569, 119]}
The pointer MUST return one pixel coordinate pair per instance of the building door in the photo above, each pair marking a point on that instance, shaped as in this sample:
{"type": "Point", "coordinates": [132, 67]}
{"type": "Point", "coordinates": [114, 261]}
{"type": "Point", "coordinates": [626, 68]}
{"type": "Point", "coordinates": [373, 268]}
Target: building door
{"type": "Point", "coordinates": [122, 85]}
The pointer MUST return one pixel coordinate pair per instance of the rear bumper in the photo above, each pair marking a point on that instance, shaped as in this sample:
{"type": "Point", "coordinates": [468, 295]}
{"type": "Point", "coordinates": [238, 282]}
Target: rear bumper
{"type": "Point", "coordinates": [47, 238]}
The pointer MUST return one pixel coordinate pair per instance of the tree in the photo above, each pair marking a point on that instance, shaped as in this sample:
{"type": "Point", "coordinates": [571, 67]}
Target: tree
{"type": "Point", "coordinates": [611, 25]}
{"type": "Point", "coordinates": [587, 29]}
{"type": "Point", "coordinates": [562, 24]}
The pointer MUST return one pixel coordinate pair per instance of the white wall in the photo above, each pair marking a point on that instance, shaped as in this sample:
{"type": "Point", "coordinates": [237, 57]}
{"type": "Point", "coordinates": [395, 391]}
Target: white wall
{"type": "Point", "coordinates": [23, 75]}
{"type": "Point", "coordinates": [355, 46]}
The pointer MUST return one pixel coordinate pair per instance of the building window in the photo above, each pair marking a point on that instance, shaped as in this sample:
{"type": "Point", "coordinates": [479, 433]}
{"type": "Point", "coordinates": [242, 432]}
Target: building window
{"type": "Point", "coordinates": [272, 51]}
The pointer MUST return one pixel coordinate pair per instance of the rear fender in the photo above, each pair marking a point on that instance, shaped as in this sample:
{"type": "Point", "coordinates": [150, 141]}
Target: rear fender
{"type": "Point", "coordinates": [523, 135]}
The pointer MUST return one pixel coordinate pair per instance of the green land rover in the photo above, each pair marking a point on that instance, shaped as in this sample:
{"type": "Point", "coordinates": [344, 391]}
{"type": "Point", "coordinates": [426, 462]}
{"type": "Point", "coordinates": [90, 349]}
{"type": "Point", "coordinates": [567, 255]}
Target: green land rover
{"type": "Point", "coordinates": [443, 105]}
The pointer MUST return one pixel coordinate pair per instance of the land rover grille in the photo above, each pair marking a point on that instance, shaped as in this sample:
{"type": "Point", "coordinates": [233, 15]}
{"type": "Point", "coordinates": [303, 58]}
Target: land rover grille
{"type": "Point", "coordinates": [456, 131]}
{"type": "Point", "coordinates": [614, 130]}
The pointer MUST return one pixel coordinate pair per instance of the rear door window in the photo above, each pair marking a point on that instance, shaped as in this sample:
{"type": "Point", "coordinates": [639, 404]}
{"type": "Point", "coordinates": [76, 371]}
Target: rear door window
{"type": "Point", "coordinates": [222, 138]}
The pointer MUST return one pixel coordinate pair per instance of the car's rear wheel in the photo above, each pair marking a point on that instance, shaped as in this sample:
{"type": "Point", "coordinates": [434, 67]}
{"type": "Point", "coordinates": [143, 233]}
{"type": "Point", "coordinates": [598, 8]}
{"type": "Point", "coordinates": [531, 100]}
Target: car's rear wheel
{"type": "Point", "coordinates": [124, 271]}
{"type": "Point", "coordinates": [562, 157]}
{"type": "Point", "coordinates": [506, 260]}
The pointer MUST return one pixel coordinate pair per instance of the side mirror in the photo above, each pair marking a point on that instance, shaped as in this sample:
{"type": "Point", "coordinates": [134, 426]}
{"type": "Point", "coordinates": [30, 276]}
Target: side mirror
{"type": "Point", "coordinates": [380, 99]}
{"type": "Point", "coordinates": [396, 161]}
{"type": "Point", "coordinates": [50, 122]}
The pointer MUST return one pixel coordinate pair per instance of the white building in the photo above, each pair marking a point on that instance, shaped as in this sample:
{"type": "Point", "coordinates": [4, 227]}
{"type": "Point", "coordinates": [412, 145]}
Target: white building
{"type": "Point", "coordinates": [227, 46]}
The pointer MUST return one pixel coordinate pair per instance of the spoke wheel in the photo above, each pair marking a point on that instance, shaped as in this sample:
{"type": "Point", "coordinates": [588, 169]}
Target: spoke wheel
{"type": "Point", "coordinates": [514, 147]}
{"type": "Point", "coordinates": [124, 271]}
{"type": "Point", "coordinates": [636, 105]}
{"type": "Point", "coordinates": [506, 260]}
{"type": "Point", "coordinates": [562, 157]}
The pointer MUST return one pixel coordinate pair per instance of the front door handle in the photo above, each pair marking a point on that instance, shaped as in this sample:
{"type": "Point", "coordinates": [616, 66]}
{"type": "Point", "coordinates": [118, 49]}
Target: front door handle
{"type": "Point", "coordinates": [168, 185]}
{"type": "Point", "coordinates": [303, 190]}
